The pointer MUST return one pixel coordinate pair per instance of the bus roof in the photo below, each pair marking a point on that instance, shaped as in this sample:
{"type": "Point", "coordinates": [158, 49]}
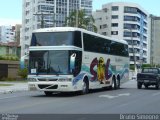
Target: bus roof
{"type": "Point", "coordinates": [63, 29]}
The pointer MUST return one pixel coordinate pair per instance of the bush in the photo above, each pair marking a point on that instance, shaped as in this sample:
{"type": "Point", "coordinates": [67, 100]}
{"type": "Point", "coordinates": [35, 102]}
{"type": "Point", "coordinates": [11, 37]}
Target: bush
{"type": "Point", "coordinates": [7, 79]}
{"type": "Point", "coordinates": [9, 57]}
{"type": "Point", "coordinates": [146, 65]}
{"type": "Point", "coordinates": [131, 67]}
{"type": "Point", "coordinates": [23, 72]}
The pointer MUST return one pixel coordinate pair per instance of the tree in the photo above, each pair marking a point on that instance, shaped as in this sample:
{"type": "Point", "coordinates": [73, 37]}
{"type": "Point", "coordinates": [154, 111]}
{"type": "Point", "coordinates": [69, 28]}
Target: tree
{"type": "Point", "coordinates": [80, 20]}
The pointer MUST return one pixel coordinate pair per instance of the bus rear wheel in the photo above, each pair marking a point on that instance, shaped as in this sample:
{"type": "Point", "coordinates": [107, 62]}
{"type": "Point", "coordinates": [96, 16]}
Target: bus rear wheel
{"type": "Point", "coordinates": [114, 84]}
{"type": "Point", "coordinates": [118, 83]}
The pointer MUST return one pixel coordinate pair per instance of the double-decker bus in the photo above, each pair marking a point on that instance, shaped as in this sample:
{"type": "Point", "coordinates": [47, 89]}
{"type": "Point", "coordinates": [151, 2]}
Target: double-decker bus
{"type": "Point", "coordinates": [67, 59]}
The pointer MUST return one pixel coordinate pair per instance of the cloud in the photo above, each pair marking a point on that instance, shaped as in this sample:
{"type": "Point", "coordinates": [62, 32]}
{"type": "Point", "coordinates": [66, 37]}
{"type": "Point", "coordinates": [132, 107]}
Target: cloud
{"type": "Point", "coordinates": [4, 21]}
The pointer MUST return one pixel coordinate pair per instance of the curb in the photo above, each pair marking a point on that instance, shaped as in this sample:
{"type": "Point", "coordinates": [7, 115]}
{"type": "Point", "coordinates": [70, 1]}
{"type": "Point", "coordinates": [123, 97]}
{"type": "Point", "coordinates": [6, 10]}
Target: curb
{"type": "Point", "coordinates": [12, 91]}
{"type": "Point", "coordinates": [16, 87]}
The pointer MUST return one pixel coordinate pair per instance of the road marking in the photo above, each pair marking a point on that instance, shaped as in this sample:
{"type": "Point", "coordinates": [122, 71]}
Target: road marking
{"type": "Point", "coordinates": [122, 105]}
{"type": "Point", "coordinates": [8, 97]}
{"type": "Point", "coordinates": [115, 96]}
{"type": "Point", "coordinates": [11, 97]}
{"type": "Point", "coordinates": [108, 96]}
{"type": "Point", "coordinates": [155, 94]}
{"type": "Point", "coordinates": [124, 94]}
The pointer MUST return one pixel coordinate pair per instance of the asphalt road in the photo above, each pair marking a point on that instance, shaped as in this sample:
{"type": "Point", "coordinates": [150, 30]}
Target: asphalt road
{"type": "Point", "coordinates": [128, 99]}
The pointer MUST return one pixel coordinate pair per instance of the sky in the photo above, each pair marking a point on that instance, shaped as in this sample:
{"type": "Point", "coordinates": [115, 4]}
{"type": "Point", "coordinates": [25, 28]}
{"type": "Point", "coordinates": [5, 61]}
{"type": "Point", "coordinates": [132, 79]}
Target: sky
{"type": "Point", "coordinates": [11, 10]}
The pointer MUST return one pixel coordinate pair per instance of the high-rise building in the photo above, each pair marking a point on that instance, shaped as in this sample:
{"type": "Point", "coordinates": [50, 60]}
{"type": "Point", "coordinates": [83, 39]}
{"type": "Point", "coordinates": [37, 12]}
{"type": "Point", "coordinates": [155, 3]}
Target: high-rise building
{"type": "Point", "coordinates": [155, 40]}
{"type": "Point", "coordinates": [127, 21]}
{"type": "Point", "coordinates": [47, 13]}
{"type": "Point", "coordinates": [18, 33]}
{"type": "Point", "coordinates": [7, 34]}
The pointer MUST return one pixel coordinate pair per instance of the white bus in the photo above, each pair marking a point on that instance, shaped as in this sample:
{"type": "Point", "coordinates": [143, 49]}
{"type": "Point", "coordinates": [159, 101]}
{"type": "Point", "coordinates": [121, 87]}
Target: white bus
{"type": "Point", "coordinates": [66, 59]}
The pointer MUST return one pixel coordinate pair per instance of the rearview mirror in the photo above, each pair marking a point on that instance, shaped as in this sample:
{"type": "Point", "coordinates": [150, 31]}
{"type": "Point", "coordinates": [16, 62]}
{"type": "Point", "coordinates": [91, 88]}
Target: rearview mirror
{"type": "Point", "coordinates": [72, 62]}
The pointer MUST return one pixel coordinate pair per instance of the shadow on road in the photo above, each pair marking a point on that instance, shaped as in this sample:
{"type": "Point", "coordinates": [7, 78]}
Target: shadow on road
{"type": "Point", "coordinates": [75, 94]}
{"type": "Point", "coordinates": [149, 88]}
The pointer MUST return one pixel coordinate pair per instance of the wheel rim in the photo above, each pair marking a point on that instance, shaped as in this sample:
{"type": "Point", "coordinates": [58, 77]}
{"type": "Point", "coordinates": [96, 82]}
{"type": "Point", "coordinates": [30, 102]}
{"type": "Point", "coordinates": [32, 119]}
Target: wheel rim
{"type": "Point", "coordinates": [113, 84]}
{"type": "Point", "coordinates": [84, 87]}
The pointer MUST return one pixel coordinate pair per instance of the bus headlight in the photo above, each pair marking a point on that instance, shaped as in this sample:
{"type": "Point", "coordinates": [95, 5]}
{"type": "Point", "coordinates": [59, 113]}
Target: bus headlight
{"type": "Point", "coordinates": [65, 79]}
{"type": "Point", "coordinates": [32, 79]}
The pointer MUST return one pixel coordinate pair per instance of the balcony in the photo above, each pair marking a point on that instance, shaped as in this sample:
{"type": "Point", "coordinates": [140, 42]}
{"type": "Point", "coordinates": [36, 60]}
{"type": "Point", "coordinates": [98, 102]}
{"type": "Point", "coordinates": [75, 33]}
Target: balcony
{"type": "Point", "coordinates": [45, 2]}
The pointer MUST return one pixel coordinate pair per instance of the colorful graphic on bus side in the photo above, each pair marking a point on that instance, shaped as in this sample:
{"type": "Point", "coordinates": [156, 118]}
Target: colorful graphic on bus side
{"type": "Point", "coordinates": [103, 73]}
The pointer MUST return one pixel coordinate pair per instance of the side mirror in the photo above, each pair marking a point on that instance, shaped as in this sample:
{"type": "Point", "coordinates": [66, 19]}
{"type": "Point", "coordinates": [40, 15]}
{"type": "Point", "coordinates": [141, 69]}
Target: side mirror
{"type": "Point", "coordinates": [72, 62]}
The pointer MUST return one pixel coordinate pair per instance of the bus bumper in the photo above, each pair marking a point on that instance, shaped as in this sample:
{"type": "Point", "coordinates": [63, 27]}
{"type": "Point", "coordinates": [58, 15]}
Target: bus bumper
{"type": "Point", "coordinates": [52, 86]}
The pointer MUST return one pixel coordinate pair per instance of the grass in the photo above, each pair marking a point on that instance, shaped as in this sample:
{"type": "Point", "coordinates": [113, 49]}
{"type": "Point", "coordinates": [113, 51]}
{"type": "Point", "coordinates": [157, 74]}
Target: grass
{"type": "Point", "coordinates": [21, 81]}
{"type": "Point", "coordinates": [13, 80]}
{"type": "Point", "coordinates": [3, 85]}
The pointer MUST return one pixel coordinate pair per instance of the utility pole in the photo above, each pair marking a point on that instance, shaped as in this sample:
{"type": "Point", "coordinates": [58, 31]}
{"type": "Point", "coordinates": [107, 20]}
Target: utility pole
{"type": "Point", "coordinates": [42, 18]}
{"type": "Point", "coordinates": [77, 18]}
{"type": "Point", "coordinates": [135, 66]}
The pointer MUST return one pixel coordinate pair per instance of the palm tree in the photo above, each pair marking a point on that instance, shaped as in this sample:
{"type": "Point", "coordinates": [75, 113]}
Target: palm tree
{"type": "Point", "coordinates": [82, 20]}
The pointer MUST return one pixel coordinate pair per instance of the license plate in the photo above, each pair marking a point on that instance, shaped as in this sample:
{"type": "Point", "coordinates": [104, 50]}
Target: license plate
{"type": "Point", "coordinates": [32, 88]}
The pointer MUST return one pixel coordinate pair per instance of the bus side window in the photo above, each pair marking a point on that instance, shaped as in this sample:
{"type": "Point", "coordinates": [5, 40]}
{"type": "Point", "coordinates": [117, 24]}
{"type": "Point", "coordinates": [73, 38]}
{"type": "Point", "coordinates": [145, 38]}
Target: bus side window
{"type": "Point", "coordinates": [77, 39]}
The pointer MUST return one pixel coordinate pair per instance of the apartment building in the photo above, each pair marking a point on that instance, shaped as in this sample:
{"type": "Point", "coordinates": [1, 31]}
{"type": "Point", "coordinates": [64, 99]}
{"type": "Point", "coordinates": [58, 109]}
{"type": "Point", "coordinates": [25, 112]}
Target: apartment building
{"type": "Point", "coordinates": [47, 13]}
{"type": "Point", "coordinates": [127, 21]}
{"type": "Point", "coordinates": [155, 40]}
{"type": "Point", "coordinates": [18, 33]}
{"type": "Point", "coordinates": [7, 34]}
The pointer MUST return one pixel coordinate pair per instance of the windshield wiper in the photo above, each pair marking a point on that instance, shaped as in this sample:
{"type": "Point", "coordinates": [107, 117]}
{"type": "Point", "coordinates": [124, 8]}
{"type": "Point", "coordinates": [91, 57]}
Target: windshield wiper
{"type": "Point", "coordinates": [59, 69]}
{"type": "Point", "coordinates": [57, 73]}
{"type": "Point", "coordinates": [36, 65]}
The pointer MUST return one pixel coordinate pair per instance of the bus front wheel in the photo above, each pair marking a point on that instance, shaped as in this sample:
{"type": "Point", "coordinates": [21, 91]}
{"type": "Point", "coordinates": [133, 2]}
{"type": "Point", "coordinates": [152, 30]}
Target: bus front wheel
{"type": "Point", "coordinates": [85, 87]}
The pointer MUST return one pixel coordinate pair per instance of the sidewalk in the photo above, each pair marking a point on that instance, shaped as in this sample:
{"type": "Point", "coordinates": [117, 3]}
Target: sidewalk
{"type": "Point", "coordinates": [15, 86]}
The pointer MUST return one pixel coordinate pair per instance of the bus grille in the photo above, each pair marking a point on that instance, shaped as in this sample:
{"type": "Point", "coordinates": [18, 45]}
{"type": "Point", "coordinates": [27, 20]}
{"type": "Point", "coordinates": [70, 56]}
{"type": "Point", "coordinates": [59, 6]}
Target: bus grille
{"type": "Point", "coordinates": [47, 79]}
{"type": "Point", "coordinates": [44, 86]}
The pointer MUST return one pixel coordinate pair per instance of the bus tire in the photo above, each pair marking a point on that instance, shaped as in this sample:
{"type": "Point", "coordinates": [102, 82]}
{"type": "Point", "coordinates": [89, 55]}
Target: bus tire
{"type": "Point", "coordinates": [139, 85]}
{"type": "Point", "coordinates": [48, 93]}
{"type": "Point", "coordinates": [85, 86]}
{"type": "Point", "coordinates": [114, 83]}
{"type": "Point", "coordinates": [157, 86]}
{"type": "Point", "coordinates": [118, 82]}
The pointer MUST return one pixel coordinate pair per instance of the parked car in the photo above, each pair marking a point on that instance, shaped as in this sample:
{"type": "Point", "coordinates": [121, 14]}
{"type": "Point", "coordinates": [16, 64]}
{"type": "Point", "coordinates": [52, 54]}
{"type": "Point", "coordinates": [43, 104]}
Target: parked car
{"type": "Point", "coordinates": [149, 77]}
{"type": "Point", "coordinates": [134, 77]}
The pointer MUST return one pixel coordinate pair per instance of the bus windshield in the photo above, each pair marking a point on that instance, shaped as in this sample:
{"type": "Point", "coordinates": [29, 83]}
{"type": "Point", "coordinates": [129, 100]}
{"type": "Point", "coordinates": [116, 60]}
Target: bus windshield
{"type": "Point", "coordinates": [57, 39]}
{"type": "Point", "coordinates": [53, 62]}
{"type": "Point", "coordinates": [49, 62]}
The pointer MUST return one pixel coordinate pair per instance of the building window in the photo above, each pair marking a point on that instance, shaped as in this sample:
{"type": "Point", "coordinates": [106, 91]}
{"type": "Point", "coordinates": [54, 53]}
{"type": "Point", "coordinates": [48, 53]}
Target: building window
{"type": "Point", "coordinates": [100, 26]}
{"type": "Point", "coordinates": [97, 19]}
{"type": "Point", "coordinates": [114, 32]}
{"type": "Point", "coordinates": [104, 26]}
{"type": "Point", "coordinates": [114, 16]}
{"type": "Point", "coordinates": [114, 24]}
{"type": "Point", "coordinates": [115, 8]}
{"type": "Point", "coordinates": [131, 18]}
{"type": "Point", "coordinates": [131, 26]}
{"type": "Point", "coordinates": [130, 10]}
{"type": "Point", "coordinates": [127, 34]}
{"type": "Point", "coordinates": [105, 9]}
{"type": "Point", "coordinates": [104, 33]}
